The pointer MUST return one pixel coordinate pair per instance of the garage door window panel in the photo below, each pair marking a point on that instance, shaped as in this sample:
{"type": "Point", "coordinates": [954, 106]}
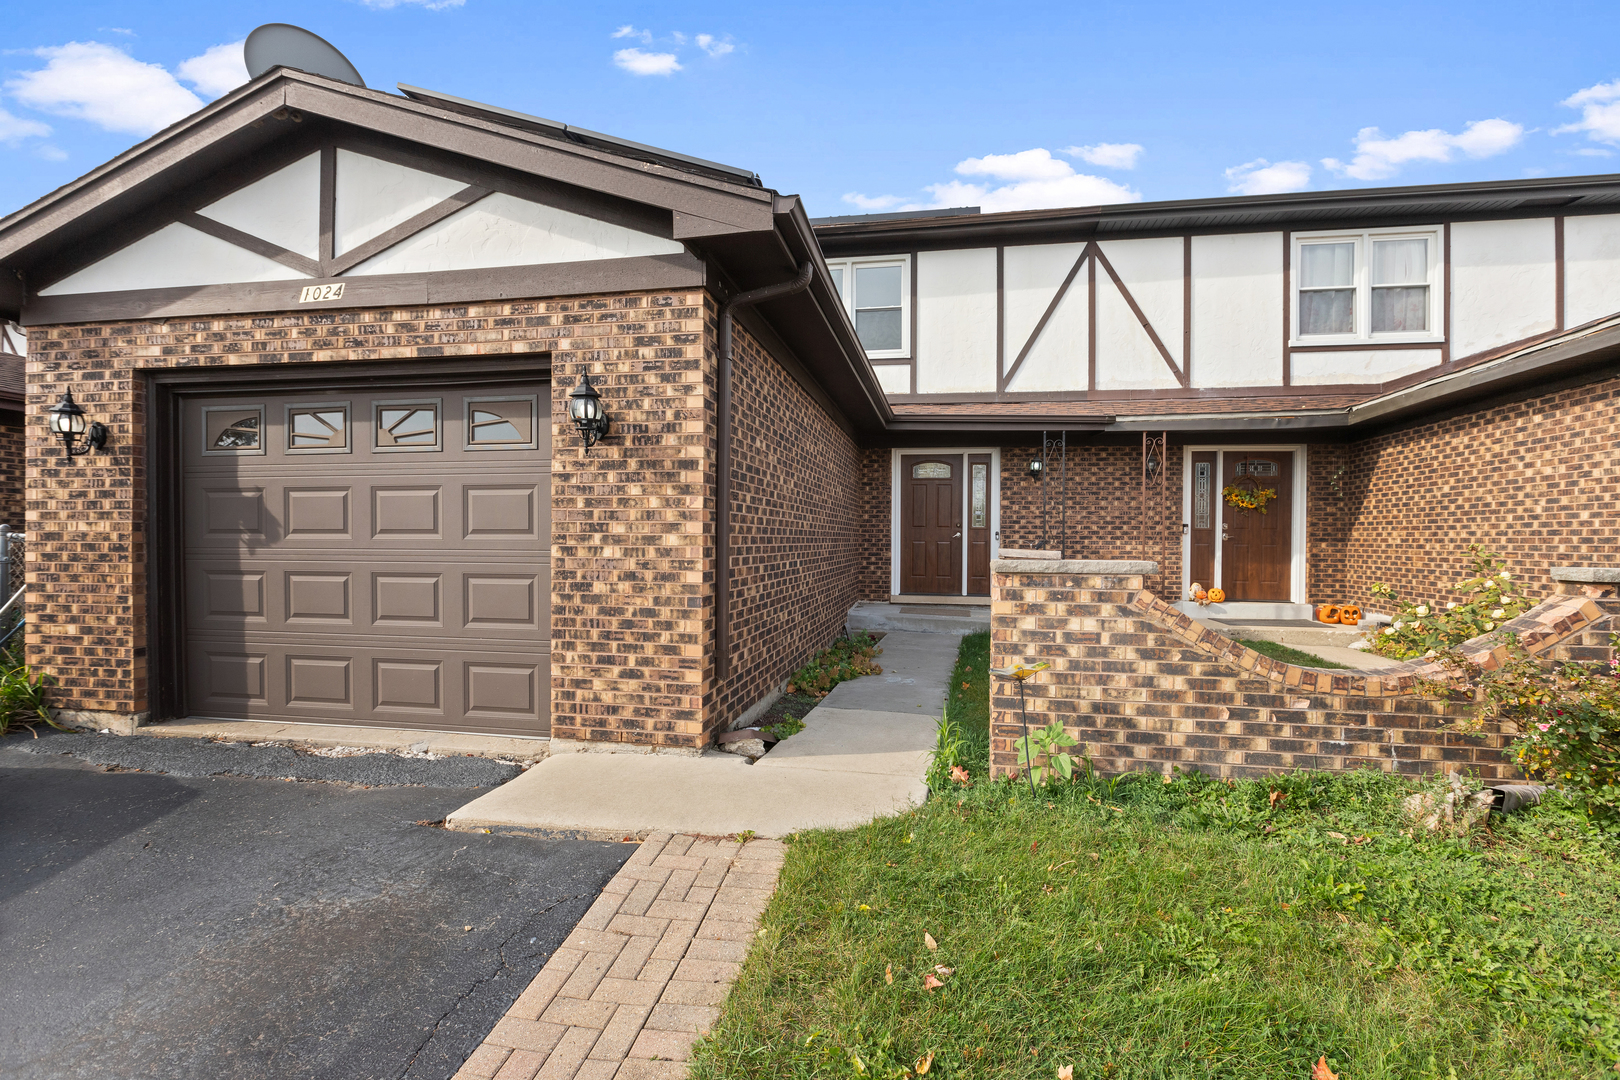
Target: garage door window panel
{"type": "Point", "coordinates": [318, 428]}
{"type": "Point", "coordinates": [233, 430]}
{"type": "Point", "coordinates": [409, 426]}
{"type": "Point", "coordinates": [500, 423]}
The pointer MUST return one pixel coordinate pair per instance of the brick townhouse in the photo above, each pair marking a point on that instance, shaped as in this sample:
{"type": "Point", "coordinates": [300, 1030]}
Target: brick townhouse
{"type": "Point", "coordinates": [333, 335]}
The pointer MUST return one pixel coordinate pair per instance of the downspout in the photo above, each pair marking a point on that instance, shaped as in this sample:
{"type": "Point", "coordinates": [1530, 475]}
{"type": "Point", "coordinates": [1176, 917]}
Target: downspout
{"type": "Point", "coordinates": [722, 500]}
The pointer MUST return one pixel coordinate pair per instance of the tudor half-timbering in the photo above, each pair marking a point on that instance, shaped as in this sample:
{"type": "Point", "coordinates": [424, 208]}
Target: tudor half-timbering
{"type": "Point", "coordinates": [332, 332]}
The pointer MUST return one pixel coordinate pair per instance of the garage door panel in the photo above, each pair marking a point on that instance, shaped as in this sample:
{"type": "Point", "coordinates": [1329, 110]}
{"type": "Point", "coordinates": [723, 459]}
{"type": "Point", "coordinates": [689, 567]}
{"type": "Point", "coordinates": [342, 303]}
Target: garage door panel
{"type": "Point", "coordinates": [403, 585]}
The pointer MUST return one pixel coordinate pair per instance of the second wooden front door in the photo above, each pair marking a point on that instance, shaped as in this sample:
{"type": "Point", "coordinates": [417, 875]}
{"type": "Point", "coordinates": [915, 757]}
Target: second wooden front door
{"type": "Point", "coordinates": [1256, 552]}
{"type": "Point", "coordinates": [931, 524]}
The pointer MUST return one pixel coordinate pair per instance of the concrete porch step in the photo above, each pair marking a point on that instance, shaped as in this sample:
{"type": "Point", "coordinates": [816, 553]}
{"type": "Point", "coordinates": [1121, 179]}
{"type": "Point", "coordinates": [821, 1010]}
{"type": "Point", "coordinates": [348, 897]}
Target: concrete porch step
{"type": "Point", "coordinates": [875, 615]}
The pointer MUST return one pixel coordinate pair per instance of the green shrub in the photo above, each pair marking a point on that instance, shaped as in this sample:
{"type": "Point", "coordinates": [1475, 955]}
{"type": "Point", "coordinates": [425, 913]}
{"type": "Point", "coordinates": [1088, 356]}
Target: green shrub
{"type": "Point", "coordinates": [1566, 714]}
{"type": "Point", "coordinates": [845, 659]}
{"type": "Point", "coordinates": [22, 695]}
{"type": "Point", "coordinates": [1423, 629]}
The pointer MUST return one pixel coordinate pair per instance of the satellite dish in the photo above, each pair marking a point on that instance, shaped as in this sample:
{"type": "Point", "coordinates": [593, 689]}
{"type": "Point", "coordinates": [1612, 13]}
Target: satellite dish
{"type": "Point", "coordinates": [283, 45]}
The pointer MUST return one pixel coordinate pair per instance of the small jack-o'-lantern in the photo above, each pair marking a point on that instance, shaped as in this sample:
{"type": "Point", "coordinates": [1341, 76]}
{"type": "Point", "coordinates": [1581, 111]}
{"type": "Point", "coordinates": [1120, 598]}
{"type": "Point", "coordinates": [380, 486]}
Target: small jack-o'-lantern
{"type": "Point", "coordinates": [1217, 595]}
{"type": "Point", "coordinates": [1349, 615]}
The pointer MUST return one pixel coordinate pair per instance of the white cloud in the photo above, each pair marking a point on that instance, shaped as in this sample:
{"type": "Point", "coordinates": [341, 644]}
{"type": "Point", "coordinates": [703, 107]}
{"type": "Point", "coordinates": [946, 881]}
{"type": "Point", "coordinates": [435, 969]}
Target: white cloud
{"type": "Point", "coordinates": [637, 62]}
{"type": "Point", "coordinates": [628, 31]}
{"type": "Point", "coordinates": [90, 81]}
{"type": "Point", "coordinates": [708, 44]}
{"type": "Point", "coordinates": [50, 153]}
{"type": "Point", "coordinates": [15, 128]}
{"type": "Point", "coordinates": [431, 5]}
{"type": "Point", "coordinates": [1030, 180]}
{"type": "Point", "coordinates": [218, 71]}
{"type": "Point", "coordinates": [1108, 155]}
{"type": "Point", "coordinates": [1600, 112]}
{"type": "Point", "coordinates": [872, 203]}
{"type": "Point", "coordinates": [1378, 157]}
{"type": "Point", "coordinates": [1262, 177]}
{"type": "Point", "coordinates": [1592, 151]}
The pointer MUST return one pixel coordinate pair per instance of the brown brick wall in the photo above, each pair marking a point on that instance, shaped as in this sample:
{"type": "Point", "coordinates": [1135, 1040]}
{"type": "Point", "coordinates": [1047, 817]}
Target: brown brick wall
{"type": "Point", "coordinates": [629, 558]}
{"type": "Point", "coordinates": [1536, 480]}
{"type": "Point", "coordinates": [13, 466]}
{"type": "Point", "coordinates": [797, 534]}
{"type": "Point", "coordinates": [1142, 685]}
{"type": "Point", "coordinates": [874, 573]}
{"type": "Point", "coordinates": [1105, 507]}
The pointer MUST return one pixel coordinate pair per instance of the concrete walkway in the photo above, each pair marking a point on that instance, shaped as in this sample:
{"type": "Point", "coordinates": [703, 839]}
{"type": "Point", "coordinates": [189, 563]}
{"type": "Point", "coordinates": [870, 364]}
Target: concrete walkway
{"type": "Point", "coordinates": [863, 753]}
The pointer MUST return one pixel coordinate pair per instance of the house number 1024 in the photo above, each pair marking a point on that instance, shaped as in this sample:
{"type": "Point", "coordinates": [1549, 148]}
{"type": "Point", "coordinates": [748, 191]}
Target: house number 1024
{"type": "Point", "coordinates": [314, 293]}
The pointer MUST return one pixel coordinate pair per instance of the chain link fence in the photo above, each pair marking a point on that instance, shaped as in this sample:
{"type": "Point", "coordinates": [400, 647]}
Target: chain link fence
{"type": "Point", "coordinates": [13, 545]}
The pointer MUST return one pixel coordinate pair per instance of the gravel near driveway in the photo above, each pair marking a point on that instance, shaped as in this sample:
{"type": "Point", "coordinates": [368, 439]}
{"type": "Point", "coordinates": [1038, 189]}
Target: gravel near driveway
{"type": "Point", "coordinates": [159, 924]}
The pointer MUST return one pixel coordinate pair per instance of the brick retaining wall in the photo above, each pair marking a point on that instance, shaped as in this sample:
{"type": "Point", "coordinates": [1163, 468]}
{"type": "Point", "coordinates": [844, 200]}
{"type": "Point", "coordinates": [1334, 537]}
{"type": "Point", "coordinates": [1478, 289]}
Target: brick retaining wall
{"type": "Point", "coordinates": [1144, 686]}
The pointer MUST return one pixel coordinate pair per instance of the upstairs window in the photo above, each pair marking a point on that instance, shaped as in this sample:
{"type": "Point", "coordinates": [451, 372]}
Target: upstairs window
{"type": "Point", "coordinates": [877, 294]}
{"type": "Point", "coordinates": [1366, 287]}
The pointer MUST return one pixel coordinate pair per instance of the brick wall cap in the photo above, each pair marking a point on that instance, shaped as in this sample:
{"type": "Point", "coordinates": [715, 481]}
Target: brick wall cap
{"type": "Point", "coordinates": [1073, 566]}
{"type": "Point", "coordinates": [1591, 575]}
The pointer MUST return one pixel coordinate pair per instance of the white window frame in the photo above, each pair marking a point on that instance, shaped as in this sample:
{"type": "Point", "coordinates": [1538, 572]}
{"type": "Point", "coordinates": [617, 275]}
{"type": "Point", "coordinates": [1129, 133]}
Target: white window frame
{"type": "Point", "coordinates": [1361, 282]}
{"type": "Point", "coordinates": [847, 291]}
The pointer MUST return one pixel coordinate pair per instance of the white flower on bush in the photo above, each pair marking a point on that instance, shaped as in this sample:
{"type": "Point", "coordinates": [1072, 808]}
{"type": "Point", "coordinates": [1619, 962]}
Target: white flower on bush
{"type": "Point", "coordinates": [1451, 606]}
{"type": "Point", "coordinates": [1400, 626]}
{"type": "Point", "coordinates": [1422, 610]}
{"type": "Point", "coordinates": [1505, 576]}
{"type": "Point", "coordinates": [1497, 614]}
{"type": "Point", "coordinates": [1490, 626]}
{"type": "Point", "coordinates": [1389, 630]}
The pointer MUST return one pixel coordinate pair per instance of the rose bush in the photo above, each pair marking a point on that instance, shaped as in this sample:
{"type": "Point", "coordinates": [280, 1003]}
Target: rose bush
{"type": "Point", "coordinates": [1490, 598]}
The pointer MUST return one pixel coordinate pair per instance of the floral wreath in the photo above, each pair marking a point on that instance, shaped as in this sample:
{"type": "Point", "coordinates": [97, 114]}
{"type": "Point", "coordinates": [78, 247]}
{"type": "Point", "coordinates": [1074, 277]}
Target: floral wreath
{"type": "Point", "coordinates": [1243, 498]}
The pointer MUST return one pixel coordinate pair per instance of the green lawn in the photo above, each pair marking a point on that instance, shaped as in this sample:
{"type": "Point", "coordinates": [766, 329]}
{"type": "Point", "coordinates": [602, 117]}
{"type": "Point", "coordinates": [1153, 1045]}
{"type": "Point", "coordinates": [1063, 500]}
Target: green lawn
{"type": "Point", "coordinates": [1289, 655]}
{"type": "Point", "coordinates": [1185, 929]}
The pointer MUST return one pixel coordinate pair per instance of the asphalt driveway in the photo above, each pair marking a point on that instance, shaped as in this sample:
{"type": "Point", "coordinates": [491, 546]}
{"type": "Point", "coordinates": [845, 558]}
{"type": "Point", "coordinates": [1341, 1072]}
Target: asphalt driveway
{"type": "Point", "coordinates": [154, 925]}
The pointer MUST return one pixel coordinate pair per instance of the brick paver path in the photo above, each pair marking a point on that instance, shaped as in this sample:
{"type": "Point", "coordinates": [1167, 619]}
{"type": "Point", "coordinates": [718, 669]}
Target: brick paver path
{"type": "Point", "coordinates": [642, 976]}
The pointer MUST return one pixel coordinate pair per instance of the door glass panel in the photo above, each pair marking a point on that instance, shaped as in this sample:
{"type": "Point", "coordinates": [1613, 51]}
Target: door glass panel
{"type": "Point", "coordinates": [931, 470]}
{"type": "Point", "coordinates": [318, 427]}
{"type": "Point", "coordinates": [1201, 504]}
{"type": "Point", "coordinates": [407, 425]}
{"type": "Point", "coordinates": [1257, 468]}
{"type": "Point", "coordinates": [497, 424]}
{"type": "Point", "coordinates": [981, 496]}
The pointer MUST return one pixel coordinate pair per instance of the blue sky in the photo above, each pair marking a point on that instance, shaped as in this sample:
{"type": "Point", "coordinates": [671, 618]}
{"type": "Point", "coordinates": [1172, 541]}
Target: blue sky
{"type": "Point", "coordinates": [859, 106]}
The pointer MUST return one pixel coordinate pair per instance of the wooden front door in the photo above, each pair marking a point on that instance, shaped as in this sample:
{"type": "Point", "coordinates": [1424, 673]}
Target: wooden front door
{"type": "Point", "coordinates": [931, 524]}
{"type": "Point", "coordinates": [1256, 548]}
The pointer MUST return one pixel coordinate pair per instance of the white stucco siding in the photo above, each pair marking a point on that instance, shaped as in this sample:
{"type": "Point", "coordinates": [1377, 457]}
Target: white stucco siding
{"type": "Point", "coordinates": [1126, 357]}
{"type": "Point", "coordinates": [894, 378]}
{"type": "Point", "coordinates": [174, 256]}
{"type": "Point", "coordinates": [1366, 366]}
{"type": "Point", "coordinates": [1591, 268]}
{"type": "Point", "coordinates": [1060, 357]}
{"type": "Point", "coordinates": [283, 208]}
{"type": "Point", "coordinates": [372, 196]}
{"type": "Point", "coordinates": [1237, 310]}
{"type": "Point", "coordinates": [1502, 283]}
{"type": "Point", "coordinates": [956, 321]}
{"type": "Point", "coordinates": [502, 230]}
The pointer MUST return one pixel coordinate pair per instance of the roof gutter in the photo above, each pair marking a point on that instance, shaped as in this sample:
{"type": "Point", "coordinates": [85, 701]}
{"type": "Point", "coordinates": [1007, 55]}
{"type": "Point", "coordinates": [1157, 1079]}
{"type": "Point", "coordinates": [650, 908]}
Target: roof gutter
{"type": "Point", "coordinates": [722, 532]}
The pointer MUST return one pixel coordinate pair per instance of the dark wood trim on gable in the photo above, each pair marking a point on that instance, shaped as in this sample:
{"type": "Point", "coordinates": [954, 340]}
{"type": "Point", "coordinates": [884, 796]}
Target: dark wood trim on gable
{"type": "Point", "coordinates": [1186, 306]}
{"type": "Point", "coordinates": [1001, 317]}
{"type": "Point", "coordinates": [1288, 306]}
{"type": "Point", "coordinates": [1091, 317]}
{"type": "Point", "coordinates": [637, 274]}
{"type": "Point", "coordinates": [220, 231]}
{"type": "Point", "coordinates": [328, 203]}
{"type": "Point", "coordinates": [1445, 294]}
{"type": "Point", "coordinates": [342, 264]}
{"type": "Point", "coordinates": [1558, 272]}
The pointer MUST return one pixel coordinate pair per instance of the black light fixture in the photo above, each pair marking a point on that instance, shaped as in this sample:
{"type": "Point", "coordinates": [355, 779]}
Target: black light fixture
{"type": "Point", "coordinates": [1036, 467]}
{"type": "Point", "coordinates": [585, 409]}
{"type": "Point", "coordinates": [67, 420]}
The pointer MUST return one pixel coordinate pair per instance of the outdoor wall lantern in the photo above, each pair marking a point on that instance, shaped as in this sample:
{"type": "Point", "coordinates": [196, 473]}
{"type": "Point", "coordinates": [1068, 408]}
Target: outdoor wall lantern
{"type": "Point", "coordinates": [67, 420]}
{"type": "Point", "coordinates": [1035, 468]}
{"type": "Point", "coordinates": [585, 409]}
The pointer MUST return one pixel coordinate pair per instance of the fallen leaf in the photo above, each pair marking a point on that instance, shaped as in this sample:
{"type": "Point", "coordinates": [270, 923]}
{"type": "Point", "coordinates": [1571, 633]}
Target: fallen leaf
{"type": "Point", "coordinates": [466, 928]}
{"type": "Point", "coordinates": [945, 971]}
{"type": "Point", "coordinates": [960, 775]}
{"type": "Point", "coordinates": [888, 974]}
{"type": "Point", "coordinates": [925, 1063]}
{"type": "Point", "coordinates": [930, 983]}
{"type": "Point", "coordinates": [1338, 836]}
{"type": "Point", "coordinates": [1095, 856]}
{"type": "Point", "coordinates": [1065, 1072]}
{"type": "Point", "coordinates": [1320, 1070]}
{"type": "Point", "coordinates": [1278, 796]}
{"type": "Point", "coordinates": [1033, 846]}
{"type": "Point", "coordinates": [928, 940]}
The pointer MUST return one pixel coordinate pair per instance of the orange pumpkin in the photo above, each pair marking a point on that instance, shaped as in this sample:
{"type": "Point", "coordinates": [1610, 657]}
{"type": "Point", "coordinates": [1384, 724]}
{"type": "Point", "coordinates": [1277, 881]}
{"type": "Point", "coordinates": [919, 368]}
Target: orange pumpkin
{"type": "Point", "coordinates": [1349, 615]}
{"type": "Point", "coordinates": [1329, 613]}
{"type": "Point", "coordinates": [1217, 595]}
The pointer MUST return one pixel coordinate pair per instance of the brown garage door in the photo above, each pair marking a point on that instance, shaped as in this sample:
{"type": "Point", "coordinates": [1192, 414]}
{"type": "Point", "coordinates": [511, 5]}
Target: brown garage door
{"type": "Point", "coordinates": [367, 557]}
